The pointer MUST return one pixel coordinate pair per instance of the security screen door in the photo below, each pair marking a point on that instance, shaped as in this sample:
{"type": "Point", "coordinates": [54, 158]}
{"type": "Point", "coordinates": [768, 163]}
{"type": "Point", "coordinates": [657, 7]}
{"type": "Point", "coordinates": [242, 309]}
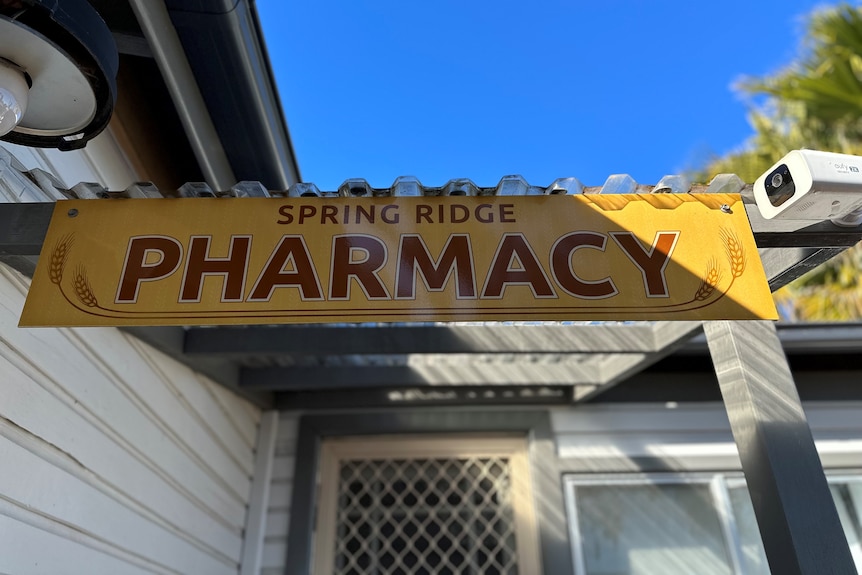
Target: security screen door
{"type": "Point", "coordinates": [420, 505]}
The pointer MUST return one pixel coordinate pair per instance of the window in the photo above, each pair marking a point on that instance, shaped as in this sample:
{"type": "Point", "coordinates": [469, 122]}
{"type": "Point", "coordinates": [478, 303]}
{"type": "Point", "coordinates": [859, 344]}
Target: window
{"type": "Point", "coordinates": [680, 524]}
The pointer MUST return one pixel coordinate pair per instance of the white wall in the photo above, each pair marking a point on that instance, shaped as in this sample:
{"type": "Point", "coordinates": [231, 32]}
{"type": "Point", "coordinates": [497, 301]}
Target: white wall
{"type": "Point", "coordinates": [114, 458]}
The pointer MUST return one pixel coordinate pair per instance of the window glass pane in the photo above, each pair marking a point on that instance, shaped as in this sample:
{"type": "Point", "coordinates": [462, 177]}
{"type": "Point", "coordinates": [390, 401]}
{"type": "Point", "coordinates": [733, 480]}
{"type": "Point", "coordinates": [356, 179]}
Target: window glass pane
{"type": "Point", "coordinates": [662, 529]}
{"type": "Point", "coordinates": [848, 502]}
{"type": "Point", "coordinates": [753, 558]}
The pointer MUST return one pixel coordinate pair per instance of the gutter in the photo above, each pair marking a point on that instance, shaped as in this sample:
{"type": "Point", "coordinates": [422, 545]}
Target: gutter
{"type": "Point", "coordinates": [185, 93]}
{"type": "Point", "coordinates": [224, 44]}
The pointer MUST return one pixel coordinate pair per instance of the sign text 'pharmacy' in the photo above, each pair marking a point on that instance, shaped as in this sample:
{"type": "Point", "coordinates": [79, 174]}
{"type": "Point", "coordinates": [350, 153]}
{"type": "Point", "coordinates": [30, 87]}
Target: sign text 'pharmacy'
{"type": "Point", "coordinates": [230, 261]}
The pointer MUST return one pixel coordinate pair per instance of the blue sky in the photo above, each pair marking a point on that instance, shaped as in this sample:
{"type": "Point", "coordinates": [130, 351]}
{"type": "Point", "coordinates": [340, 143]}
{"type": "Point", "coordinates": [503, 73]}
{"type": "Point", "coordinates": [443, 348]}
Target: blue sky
{"type": "Point", "coordinates": [546, 89]}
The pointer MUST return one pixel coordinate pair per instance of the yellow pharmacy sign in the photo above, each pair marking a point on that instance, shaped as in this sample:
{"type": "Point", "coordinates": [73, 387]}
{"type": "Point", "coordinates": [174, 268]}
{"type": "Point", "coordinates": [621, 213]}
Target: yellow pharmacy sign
{"type": "Point", "coordinates": [273, 260]}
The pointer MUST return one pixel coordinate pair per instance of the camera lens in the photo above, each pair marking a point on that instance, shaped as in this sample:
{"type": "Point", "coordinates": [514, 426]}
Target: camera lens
{"type": "Point", "coordinates": [779, 185]}
{"type": "Point", "coordinates": [777, 180]}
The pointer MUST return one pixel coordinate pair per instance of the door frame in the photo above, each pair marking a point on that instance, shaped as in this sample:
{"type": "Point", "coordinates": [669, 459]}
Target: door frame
{"type": "Point", "coordinates": [534, 425]}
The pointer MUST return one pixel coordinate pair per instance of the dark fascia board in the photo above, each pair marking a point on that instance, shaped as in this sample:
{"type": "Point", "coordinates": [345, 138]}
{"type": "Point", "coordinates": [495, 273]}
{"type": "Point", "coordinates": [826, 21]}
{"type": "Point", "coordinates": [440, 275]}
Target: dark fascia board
{"type": "Point", "coordinates": [23, 228]}
{"type": "Point", "coordinates": [820, 338]}
{"type": "Point", "coordinates": [203, 6]}
{"type": "Point", "coordinates": [698, 383]}
{"type": "Point", "coordinates": [314, 340]}
{"type": "Point", "coordinates": [328, 340]}
{"type": "Point", "coordinates": [416, 397]}
{"type": "Point", "coordinates": [225, 49]}
{"type": "Point", "coordinates": [311, 378]}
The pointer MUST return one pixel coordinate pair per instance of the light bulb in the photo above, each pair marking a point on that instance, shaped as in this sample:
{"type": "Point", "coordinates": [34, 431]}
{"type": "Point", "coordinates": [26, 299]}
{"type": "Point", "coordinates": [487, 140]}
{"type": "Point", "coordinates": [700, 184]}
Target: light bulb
{"type": "Point", "coordinates": [13, 97]}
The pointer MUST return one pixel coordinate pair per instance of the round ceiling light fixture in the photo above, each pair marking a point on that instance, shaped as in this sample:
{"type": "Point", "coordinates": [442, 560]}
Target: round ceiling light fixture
{"type": "Point", "coordinates": [58, 73]}
{"type": "Point", "coordinates": [14, 90]}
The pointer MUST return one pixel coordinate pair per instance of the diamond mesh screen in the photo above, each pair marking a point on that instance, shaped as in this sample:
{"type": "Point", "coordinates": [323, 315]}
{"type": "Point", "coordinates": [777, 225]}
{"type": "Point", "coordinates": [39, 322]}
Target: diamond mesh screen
{"type": "Point", "coordinates": [425, 516]}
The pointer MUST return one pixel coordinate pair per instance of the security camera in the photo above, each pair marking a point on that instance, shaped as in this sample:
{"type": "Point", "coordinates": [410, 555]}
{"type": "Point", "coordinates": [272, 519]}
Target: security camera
{"type": "Point", "coordinates": [812, 185]}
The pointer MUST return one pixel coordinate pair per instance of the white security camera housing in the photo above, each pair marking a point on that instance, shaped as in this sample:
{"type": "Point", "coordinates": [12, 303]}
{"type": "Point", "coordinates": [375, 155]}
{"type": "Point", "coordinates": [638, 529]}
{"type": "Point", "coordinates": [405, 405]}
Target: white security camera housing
{"type": "Point", "coordinates": [812, 185]}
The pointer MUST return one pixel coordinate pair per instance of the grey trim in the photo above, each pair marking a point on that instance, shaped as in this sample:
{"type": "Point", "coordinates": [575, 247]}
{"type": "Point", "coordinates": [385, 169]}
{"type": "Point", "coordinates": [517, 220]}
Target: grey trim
{"type": "Point", "coordinates": [466, 373]}
{"type": "Point", "coordinates": [24, 264]}
{"type": "Point", "coordinates": [420, 397]}
{"type": "Point", "coordinates": [795, 512]}
{"type": "Point", "coordinates": [822, 234]}
{"type": "Point", "coordinates": [255, 522]}
{"type": "Point", "coordinates": [547, 479]}
{"type": "Point", "coordinates": [783, 265]}
{"type": "Point", "coordinates": [777, 233]}
{"type": "Point", "coordinates": [23, 228]}
{"type": "Point", "coordinates": [171, 59]}
{"type": "Point", "coordinates": [802, 337]}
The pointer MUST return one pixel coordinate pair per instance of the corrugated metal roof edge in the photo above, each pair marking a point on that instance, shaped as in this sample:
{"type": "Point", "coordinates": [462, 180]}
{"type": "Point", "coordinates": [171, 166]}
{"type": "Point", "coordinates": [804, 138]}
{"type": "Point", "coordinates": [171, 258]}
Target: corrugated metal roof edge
{"type": "Point", "coordinates": [37, 185]}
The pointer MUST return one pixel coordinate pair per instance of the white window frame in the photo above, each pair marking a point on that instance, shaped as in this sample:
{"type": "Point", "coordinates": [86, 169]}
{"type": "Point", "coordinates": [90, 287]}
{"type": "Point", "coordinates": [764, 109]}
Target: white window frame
{"type": "Point", "coordinates": [718, 482]}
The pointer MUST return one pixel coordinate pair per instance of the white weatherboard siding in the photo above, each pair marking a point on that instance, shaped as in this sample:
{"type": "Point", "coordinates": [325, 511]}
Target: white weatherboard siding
{"type": "Point", "coordinates": [274, 558]}
{"type": "Point", "coordinates": [102, 161]}
{"type": "Point", "coordinates": [114, 458]}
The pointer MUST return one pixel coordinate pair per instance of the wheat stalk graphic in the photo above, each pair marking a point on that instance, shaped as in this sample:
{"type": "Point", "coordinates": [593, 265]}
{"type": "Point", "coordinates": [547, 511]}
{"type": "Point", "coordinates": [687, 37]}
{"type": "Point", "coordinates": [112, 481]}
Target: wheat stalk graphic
{"type": "Point", "coordinates": [709, 282]}
{"type": "Point", "coordinates": [734, 251]}
{"type": "Point", "coordinates": [712, 278]}
{"type": "Point", "coordinates": [83, 289]}
{"type": "Point", "coordinates": [58, 258]}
